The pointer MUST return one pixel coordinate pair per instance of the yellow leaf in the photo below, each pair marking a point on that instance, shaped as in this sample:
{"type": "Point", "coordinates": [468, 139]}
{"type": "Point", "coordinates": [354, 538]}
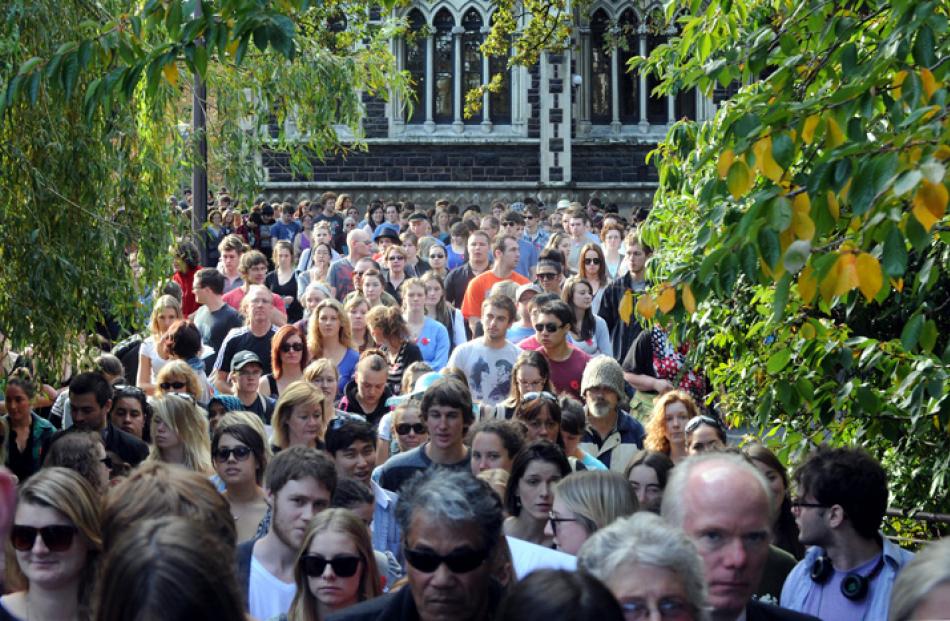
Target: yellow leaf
{"type": "Point", "coordinates": [803, 226]}
{"type": "Point", "coordinates": [847, 277]}
{"type": "Point", "coordinates": [667, 299]}
{"type": "Point", "coordinates": [870, 278]}
{"type": "Point", "coordinates": [726, 158]}
{"type": "Point", "coordinates": [764, 161]}
{"type": "Point", "coordinates": [689, 301]}
{"type": "Point", "coordinates": [801, 203]}
{"type": "Point", "coordinates": [232, 47]}
{"type": "Point", "coordinates": [739, 179]}
{"type": "Point", "coordinates": [834, 136]}
{"type": "Point", "coordinates": [807, 284]}
{"type": "Point", "coordinates": [914, 155]}
{"type": "Point", "coordinates": [930, 203]}
{"type": "Point", "coordinates": [896, 83]}
{"type": "Point", "coordinates": [833, 208]}
{"type": "Point", "coordinates": [646, 306]}
{"type": "Point", "coordinates": [171, 73]}
{"type": "Point", "coordinates": [829, 283]}
{"type": "Point", "coordinates": [626, 307]}
{"type": "Point", "coordinates": [846, 189]}
{"type": "Point", "coordinates": [929, 82]}
{"type": "Point", "coordinates": [807, 331]}
{"type": "Point", "coordinates": [808, 131]}
{"type": "Point", "coordinates": [898, 284]}
{"type": "Point", "coordinates": [942, 152]}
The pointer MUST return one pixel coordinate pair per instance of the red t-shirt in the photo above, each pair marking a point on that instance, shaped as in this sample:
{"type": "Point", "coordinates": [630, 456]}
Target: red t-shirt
{"type": "Point", "coordinates": [565, 375]}
{"type": "Point", "coordinates": [234, 298]}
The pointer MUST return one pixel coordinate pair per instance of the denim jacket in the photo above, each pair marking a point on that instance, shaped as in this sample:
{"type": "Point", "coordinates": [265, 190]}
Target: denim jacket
{"type": "Point", "coordinates": [799, 581]}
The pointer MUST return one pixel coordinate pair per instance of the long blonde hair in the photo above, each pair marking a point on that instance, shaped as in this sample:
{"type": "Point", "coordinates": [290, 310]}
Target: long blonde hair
{"type": "Point", "coordinates": [166, 301]}
{"type": "Point", "coordinates": [344, 521]}
{"type": "Point", "coordinates": [182, 415]}
{"type": "Point", "coordinates": [314, 339]}
{"type": "Point", "coordinates": [298, 393]}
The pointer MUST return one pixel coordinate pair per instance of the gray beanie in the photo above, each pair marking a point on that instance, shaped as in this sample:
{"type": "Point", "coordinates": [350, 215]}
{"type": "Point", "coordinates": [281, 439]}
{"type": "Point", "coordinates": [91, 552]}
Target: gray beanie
{"type": "Point", "coordinates": [603, 371]}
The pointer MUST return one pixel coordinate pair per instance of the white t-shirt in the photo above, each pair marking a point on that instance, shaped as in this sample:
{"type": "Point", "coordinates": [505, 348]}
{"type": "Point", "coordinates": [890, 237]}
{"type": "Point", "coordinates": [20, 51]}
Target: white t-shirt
{"type": "Point", "coordinates": [148, 350]}
{"type": "Point", "coordinates": [527, 557]}
{"type": "Point", "coordinates": [488, 370]}
{"type": "Point", "coordinates": [268, 596]}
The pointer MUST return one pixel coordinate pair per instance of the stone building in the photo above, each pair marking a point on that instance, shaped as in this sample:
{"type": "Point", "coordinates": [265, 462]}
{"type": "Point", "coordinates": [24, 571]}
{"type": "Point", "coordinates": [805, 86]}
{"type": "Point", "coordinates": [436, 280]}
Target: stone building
{"type": "Point", "coordinates": [576, 125]}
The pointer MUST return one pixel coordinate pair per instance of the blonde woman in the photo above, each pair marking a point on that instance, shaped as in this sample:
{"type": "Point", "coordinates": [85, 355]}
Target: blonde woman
{"type": "Point", "coordinates": [585, 502]}
{"type": "Point", "coordinates": [152, 356]}
{"type": "Point", "coordinates": [666, 429]}
{"type": "Point", "coordinates": [300, 416]}
{"type": "Point", "coordinates": [336, 567]}
{"type": "Point", "coordinates": [180, 433]}
{"type": "Point", "coordinates": [328, 336]}
{"type": "Point", "coordinates": [356, 309]}
{"type": "Point", "coordinates": [323, 374]}
{"type": "Point", "coordinates": [177, 376]}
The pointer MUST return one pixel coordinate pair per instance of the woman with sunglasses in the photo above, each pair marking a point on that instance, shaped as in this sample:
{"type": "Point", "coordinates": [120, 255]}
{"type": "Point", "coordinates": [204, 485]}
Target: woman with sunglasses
{"type": "Point", "coordinates": [56, 539]}
{"type": "Point", "coordinates": [530, 495]}
{"type": "Point", "coordinates": [328, 336]}
{"type": "Point", "coordinates": [430, 336]}
{"type": "Point", "coordinates": [289, 356]}
{"type": "Point", "coordinates": [439, 309]}
{"type": "Point", "coordinates": [438, 260]}
{"type": "Point", "coordinates": [336, 567]}
{"type": "Point", "coordinates": [530, 373]}
{"type": "Point", "coordinates": [394, 273]}
{"type": "Point", "coordinates": [131, 411]}
{"type": "Point", "coordinates": [584, 503]}
{"type": "Point", "coordinates": [183, 342]}
{"type": "Point", "coordinates": [593, 267]}
{"type": "Point", "coordinates": [240, 459]}
{"type": "Point", "coordinates": [152, 355]}
{"type": "Point", "coordinates": [180, 433]}
{"type": "Point", "coordinates": [177, 377]}
{"type": "Point", "coordinates": [704, 434]}
{"type": "Point", "coordinates": [589, 331]}
{"type": "Point", "coordinates": [84, 453]}
{"type": "Point", "coordinates": [666, 429]}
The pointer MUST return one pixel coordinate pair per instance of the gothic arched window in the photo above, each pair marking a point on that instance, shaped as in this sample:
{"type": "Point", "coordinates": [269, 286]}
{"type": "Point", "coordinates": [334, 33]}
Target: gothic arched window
{"type": "Point", "coordinates": [600, 93]}
{"type": "Point", "coordinates": [416, 66]}
{"type": "Point", "coordinates": [629, 46]}
{"type": "Point", "coordinates": [444, 61]}
{"type": "Point", "coordinates": [472, 56]}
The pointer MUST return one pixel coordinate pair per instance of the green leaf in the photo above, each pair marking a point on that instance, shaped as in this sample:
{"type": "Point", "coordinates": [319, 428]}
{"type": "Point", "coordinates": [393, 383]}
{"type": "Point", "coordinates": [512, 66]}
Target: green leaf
{"type": "Point", "coordinates": [769, 246]}
{"type": "Point", "coordinates": [911, 332]}
{"type": "Point", "coordinates": [868, 401]}
{"type": "Point", "coordinates": [894, 257]}
{"type": "Point", "coordinates": [796, 255]}
{"type": "Point", "coordinates": [924, 46]}
{"type": "Point", "coordinates": [780, 301]}
{"type": "Point", "coordinates": [928, 336]}
{"type": "Point", "coordinates": [34, 87]}
{"type": "Point", "coordinates": [260, 37]}
{"type": "Point", "coordinates": [906, 182]}
{"type": "Point", "coordinates": [29, 65]}
{"type": "Point", "coordinates": [778, 361]}
{"type": "Point", "coordinates": [778, 213]}
{"type": "Point", "coordinates": [783, 149]}
{"type": "Point", "coordinates": [70, 74]}
{"type": "Point", "coordinates": [918, 237]}
{"type": "Point", "coordinates": [746, 125]}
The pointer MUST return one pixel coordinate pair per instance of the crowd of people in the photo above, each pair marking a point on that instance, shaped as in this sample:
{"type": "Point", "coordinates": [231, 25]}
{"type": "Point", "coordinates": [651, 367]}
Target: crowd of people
{"type": "Point", "coordinates": [428, 414]}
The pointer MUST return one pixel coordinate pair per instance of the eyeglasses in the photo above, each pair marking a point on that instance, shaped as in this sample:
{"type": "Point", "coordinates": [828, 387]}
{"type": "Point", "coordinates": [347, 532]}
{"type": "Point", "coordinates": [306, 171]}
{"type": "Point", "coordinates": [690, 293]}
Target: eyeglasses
{"type": "Point", "coordinates": [509, 223]}
{"type": "Point", "coordinates": [55, 538]}
{"type": "Point", "coordinates": [798, 503]}
{"type": "Point", "coordinates": [547, 275]}
{"type": "Point", "coordinates": [240, 453]}
{"type": "Point", "coordinates": [314, 565]}
{"type": "Point", "coordinates": [555, 519]}
{"type": "Point", "coordinates": [172, 385]}
{"type": "Point", "coordinates": [702, 419]}
{"type": "Point", "coordinates": [592, 261]}
{"type": "Point", "coordinates": [288, 347]}
{"type": "Point", "coordinates": [544, 394]}
{"type": "Point", "coordinates": [550, 328]}
{"type": "Point", "coordinates": [458, 561]}
{"type": "Point", "coordinates": [670, 609]}
{"type": "Point", "coordinates": [396, 257]}
{"type": "Point", "coordinates": [403, 429]}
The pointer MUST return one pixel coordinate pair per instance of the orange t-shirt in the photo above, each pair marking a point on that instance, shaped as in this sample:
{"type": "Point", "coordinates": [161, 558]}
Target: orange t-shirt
{"type": "Point", "coordinates": [478, 289]}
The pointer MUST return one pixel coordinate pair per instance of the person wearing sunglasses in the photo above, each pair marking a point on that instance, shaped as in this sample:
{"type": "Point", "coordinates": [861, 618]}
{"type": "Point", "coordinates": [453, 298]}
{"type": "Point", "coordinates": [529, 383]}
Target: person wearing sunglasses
{"type": "Point", "coordinates": [512, 223]}
{"type": "Point", "coordinates": [650, 567]}
{"type": "Point", "coordinates": [178, 377]}
{"type": "Point", "coordinates": [553, 322]}
{"type": "Point", "coordinates": [438, 260]}
{"type": "Point", "coordinates": [56, 540]}
{"type": "Point", "coordinates": [705, 433]}
{"type": "Point", "coordinates": [452, 528]}
{"type": "Point", "coordinates": [84, 453]}
{"type": "Point", "coordinates": [550, 274]}
{"type": "Point", "coordinates": [289, 356]}
{"type": "Point", "coordinates": [336, 567]}
{"type": "Point", "coordinates": [239, 460]}
{"type": "Point", "coordinates": [593, 268]}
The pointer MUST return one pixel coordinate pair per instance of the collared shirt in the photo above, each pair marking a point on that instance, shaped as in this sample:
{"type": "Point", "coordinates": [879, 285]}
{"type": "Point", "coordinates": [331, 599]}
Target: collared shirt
{"type": "Point", "coordinates": [539, 239]}
{"type": "Point", "coordinates": [386, 535]}
{"type": "Point", "coordinates": [619, 446]}
{"type": "Point", "coordinates": [799, 583]}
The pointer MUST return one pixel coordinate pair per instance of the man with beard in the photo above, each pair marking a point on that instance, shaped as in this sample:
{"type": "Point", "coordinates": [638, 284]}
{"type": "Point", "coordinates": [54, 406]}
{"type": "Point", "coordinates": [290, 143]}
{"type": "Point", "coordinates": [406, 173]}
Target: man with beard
{"type": "Point", "coordinates": [452, 525]}
{"type": "Point", "coordinates": [300, 482]}
{"type": "Point", "coordinates": [612, 435]}
{"type": "Point", "coordinates": [90, 401]}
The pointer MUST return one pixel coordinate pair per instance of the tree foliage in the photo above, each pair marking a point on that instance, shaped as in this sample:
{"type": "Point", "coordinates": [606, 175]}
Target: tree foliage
{"type": "Point", "coordinates": [802, 233]}
{"type": "Point", "coordinates": [90, 132]}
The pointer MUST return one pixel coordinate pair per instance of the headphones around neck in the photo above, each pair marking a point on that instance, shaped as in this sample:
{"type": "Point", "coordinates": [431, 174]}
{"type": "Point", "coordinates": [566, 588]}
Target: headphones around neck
{"type": "Point", "coordinates": [854, 586]}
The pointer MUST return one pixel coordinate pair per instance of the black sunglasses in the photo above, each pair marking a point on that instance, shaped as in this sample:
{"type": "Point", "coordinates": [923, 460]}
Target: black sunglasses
{"type": "Point", "coordinates": [702, 419]}
{"type": "Point", "coordinates": [549, 327]}
{"type": "Point", "coordinates": [593, 261]}
{"type": "Point", "coordinates": [240, 453]}
{"type": "Point", "coordinates": [403, 429]}
{"type": "Point", "coordinates": [314, 565]}
{"type": "Point", "coordinates": [547, 275]}
{"type": "Point", "coordinates": [171, 385]}
{"type": "Point", "coordinates": [458, 562]}
{"type": "Point", "coordinates": [436, 256]}
{"type": "Point", "coordinates": [288, 347]}
{"type": "Point", "coordinates": [55, 538]}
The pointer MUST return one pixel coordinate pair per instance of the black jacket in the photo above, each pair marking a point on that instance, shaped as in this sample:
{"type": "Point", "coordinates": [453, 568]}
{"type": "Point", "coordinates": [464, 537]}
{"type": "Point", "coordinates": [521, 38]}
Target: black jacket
{"type": "Point", "coordinates": [622, 333]}
{"type": "Point", "coordinates": [400, 606]}
{"type": "Point", "coordinates": [245, 551]}
{"type": "Point", "coordinates": [127, 447]}
{"type": "Point", "coordinates": [349, 403]}
{"type": "Point", "coordinates": [758, 611]}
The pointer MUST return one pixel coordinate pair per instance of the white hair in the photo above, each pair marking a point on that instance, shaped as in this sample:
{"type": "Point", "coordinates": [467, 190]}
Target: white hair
{"type": "Point", "coordinates": [927, 571]}
{"type": "Point", "coordinates": [645, 539]}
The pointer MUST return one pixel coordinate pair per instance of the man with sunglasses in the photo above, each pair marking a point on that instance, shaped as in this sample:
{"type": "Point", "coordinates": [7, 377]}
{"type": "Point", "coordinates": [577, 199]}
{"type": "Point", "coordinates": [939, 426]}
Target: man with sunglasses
{"type": "Point", "coordinates": [452, 532]}
{"type": "Point", "coordinates": [612, 435]}
{"type": "Point", "coordinates": [512, 223]}
{"type": "Point", "coordinates": [340, 275]}
{"type": "Point", "coordinates": [488, 360]}
{"type": "Point", "coordinates": [506, 253]}
{"type": "Point", "coordinates": [352, 444]}
{"type": "Point", "coordinates": [534, 231]}
{"type": "Point", "coordinates": [90, 401]}
{"type": "Point", "coordinates": [552, 324]}
{"type": "Point", "coordinates": [361, 267]}
{"type": "Point", "coordinates": [300, 483]}
{"type": "Point", "coordinates": [849, 569]}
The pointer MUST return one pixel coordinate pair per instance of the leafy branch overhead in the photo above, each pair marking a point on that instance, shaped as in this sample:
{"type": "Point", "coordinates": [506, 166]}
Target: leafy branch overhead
{"type": "Point", "coordinates": [802, 232]}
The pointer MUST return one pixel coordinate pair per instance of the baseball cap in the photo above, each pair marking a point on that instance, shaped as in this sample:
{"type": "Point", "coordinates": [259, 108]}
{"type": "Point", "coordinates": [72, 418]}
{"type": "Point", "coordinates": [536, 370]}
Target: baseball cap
{"type": "Point", "coordinates": [244, 358]}
{"type": "Point", "coordinates": [525, 288]}
{"type": "Point", "coordinates": [386, 229]}
{"type": "Point", "coordinates": [417, 215]}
